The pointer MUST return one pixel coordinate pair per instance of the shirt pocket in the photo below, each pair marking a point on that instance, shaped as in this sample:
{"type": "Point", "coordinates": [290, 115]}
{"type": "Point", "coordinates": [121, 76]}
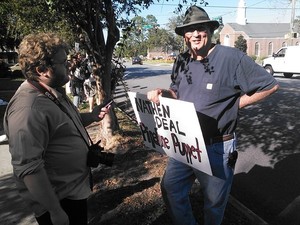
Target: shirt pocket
{"type": "Point", "coordinates": [209, 88]}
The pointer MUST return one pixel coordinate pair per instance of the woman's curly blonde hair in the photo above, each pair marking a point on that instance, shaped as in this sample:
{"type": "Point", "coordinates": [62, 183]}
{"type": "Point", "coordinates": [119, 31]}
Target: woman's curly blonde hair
{"type": "Point", "coordinates": [36, 52]}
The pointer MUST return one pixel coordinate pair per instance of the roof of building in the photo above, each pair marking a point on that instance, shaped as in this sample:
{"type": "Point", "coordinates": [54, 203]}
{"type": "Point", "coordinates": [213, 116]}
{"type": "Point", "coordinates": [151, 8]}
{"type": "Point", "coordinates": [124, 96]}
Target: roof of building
{"type": "Point", "coordinates": [262, 30]}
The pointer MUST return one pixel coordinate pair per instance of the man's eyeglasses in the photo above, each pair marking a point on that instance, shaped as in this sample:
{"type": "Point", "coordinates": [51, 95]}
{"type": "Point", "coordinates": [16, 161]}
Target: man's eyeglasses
{"type": "Point", "coordinates": [191, 29]}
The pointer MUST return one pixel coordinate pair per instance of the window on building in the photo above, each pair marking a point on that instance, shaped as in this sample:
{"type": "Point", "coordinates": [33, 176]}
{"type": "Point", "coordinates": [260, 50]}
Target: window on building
{"type": "Point", "coordinates": [270, 48]}
{"type": "Point", "coordinates": [227, 40]}
{"type": "Point", "coordinates": [257, 53]}
{"type": "Point", "coordinates": [284, 44]}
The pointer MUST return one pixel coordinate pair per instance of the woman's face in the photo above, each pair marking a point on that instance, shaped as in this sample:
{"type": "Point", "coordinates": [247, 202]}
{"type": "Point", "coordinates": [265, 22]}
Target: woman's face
{"type": "Point", "coordinates": [59, 74]}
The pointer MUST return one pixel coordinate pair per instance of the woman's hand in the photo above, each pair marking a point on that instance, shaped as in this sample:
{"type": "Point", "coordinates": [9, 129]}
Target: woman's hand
{"type": "Point", "coordinates": [104, 111]}
{"type": "Point", "coordinates": [99, 112]}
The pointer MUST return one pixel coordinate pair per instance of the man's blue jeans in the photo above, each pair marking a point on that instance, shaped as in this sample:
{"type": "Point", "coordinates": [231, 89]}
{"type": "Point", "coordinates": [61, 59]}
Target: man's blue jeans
{"type": "Point", "coordinates": [179, 178]}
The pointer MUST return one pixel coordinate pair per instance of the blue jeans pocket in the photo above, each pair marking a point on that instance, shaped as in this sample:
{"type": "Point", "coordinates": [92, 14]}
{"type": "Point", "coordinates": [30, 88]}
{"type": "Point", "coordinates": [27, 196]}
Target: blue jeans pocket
{"type": "Point", "coordinates": [218, 154]}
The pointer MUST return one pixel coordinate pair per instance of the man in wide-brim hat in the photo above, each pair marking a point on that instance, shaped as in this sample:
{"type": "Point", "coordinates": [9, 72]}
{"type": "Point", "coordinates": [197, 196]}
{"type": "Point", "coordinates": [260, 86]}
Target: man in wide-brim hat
{"type": "Point", "coordinates": [215, 79]}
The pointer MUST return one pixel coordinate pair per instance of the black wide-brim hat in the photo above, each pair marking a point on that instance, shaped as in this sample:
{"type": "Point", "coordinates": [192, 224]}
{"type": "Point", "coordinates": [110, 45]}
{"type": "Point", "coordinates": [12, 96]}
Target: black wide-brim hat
{"type": "Point", "coordinates": [196, 15]}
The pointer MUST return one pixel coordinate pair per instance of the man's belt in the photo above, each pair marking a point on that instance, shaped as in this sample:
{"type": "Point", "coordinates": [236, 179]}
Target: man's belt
{"type": "Point", "coordinates": [219, 139]}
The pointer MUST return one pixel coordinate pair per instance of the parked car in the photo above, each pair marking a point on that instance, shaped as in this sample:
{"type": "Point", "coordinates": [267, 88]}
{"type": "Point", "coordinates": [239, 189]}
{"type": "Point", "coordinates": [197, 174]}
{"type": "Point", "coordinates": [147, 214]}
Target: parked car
{"type": "Point", "coordinates": [285, 60]}
{"type": "Point", "coordinates": [137, 60]}
{"type": "Point", "coordinates": [172, 55]}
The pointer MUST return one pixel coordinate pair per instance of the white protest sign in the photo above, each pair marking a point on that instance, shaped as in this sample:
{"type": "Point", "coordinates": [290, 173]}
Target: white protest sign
{"type": "Point", "coordinates": [172, 128]}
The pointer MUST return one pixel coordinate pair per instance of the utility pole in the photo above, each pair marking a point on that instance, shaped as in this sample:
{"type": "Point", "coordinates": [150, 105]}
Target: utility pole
{"type": "Point", "coordinates": [293, 16]}
{"type": "Point", "coordinates": [292, 21]}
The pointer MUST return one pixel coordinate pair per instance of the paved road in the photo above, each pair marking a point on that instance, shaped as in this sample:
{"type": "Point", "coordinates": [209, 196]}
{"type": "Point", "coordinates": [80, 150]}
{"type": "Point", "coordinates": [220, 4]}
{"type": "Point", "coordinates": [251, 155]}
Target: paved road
{"type": "Point", "coordinates": [266, 177]}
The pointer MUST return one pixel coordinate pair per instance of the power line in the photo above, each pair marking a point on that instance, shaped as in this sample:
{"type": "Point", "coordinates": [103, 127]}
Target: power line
{"type": "Point", "coordinates": [230, 7]}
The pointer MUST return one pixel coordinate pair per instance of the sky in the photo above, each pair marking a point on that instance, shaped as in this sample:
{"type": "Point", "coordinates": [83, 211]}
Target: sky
{"type": "Point", "coordinates": [258, 11]}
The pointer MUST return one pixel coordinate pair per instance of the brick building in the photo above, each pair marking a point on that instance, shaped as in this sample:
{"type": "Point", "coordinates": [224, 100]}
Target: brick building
{"type": "Point", "coordinates": [262, 38]}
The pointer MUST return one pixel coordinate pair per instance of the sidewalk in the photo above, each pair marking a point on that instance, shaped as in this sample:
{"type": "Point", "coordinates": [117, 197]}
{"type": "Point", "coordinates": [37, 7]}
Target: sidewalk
{"type": "Point", "coordinates": [13, 209]}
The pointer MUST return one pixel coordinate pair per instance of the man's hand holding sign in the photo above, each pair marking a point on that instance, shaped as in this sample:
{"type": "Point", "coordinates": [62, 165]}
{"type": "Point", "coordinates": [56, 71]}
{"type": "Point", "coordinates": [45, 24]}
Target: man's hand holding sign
{"type": "Point", "coordinates": [171, 126]}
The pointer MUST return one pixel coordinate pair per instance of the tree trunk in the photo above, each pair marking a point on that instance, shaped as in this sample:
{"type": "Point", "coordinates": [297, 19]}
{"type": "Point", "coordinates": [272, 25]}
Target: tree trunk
{"type": "Point", "coordinates": [110, 122]}
{"type": "Point", "coordinates": [91, 19]}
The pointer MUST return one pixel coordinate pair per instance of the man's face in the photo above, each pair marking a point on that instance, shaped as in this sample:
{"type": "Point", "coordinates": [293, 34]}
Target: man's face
{"type": "Point", "coordinates": [59, 76]}
{"type": "Point", "coordinates": [197, 37]}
